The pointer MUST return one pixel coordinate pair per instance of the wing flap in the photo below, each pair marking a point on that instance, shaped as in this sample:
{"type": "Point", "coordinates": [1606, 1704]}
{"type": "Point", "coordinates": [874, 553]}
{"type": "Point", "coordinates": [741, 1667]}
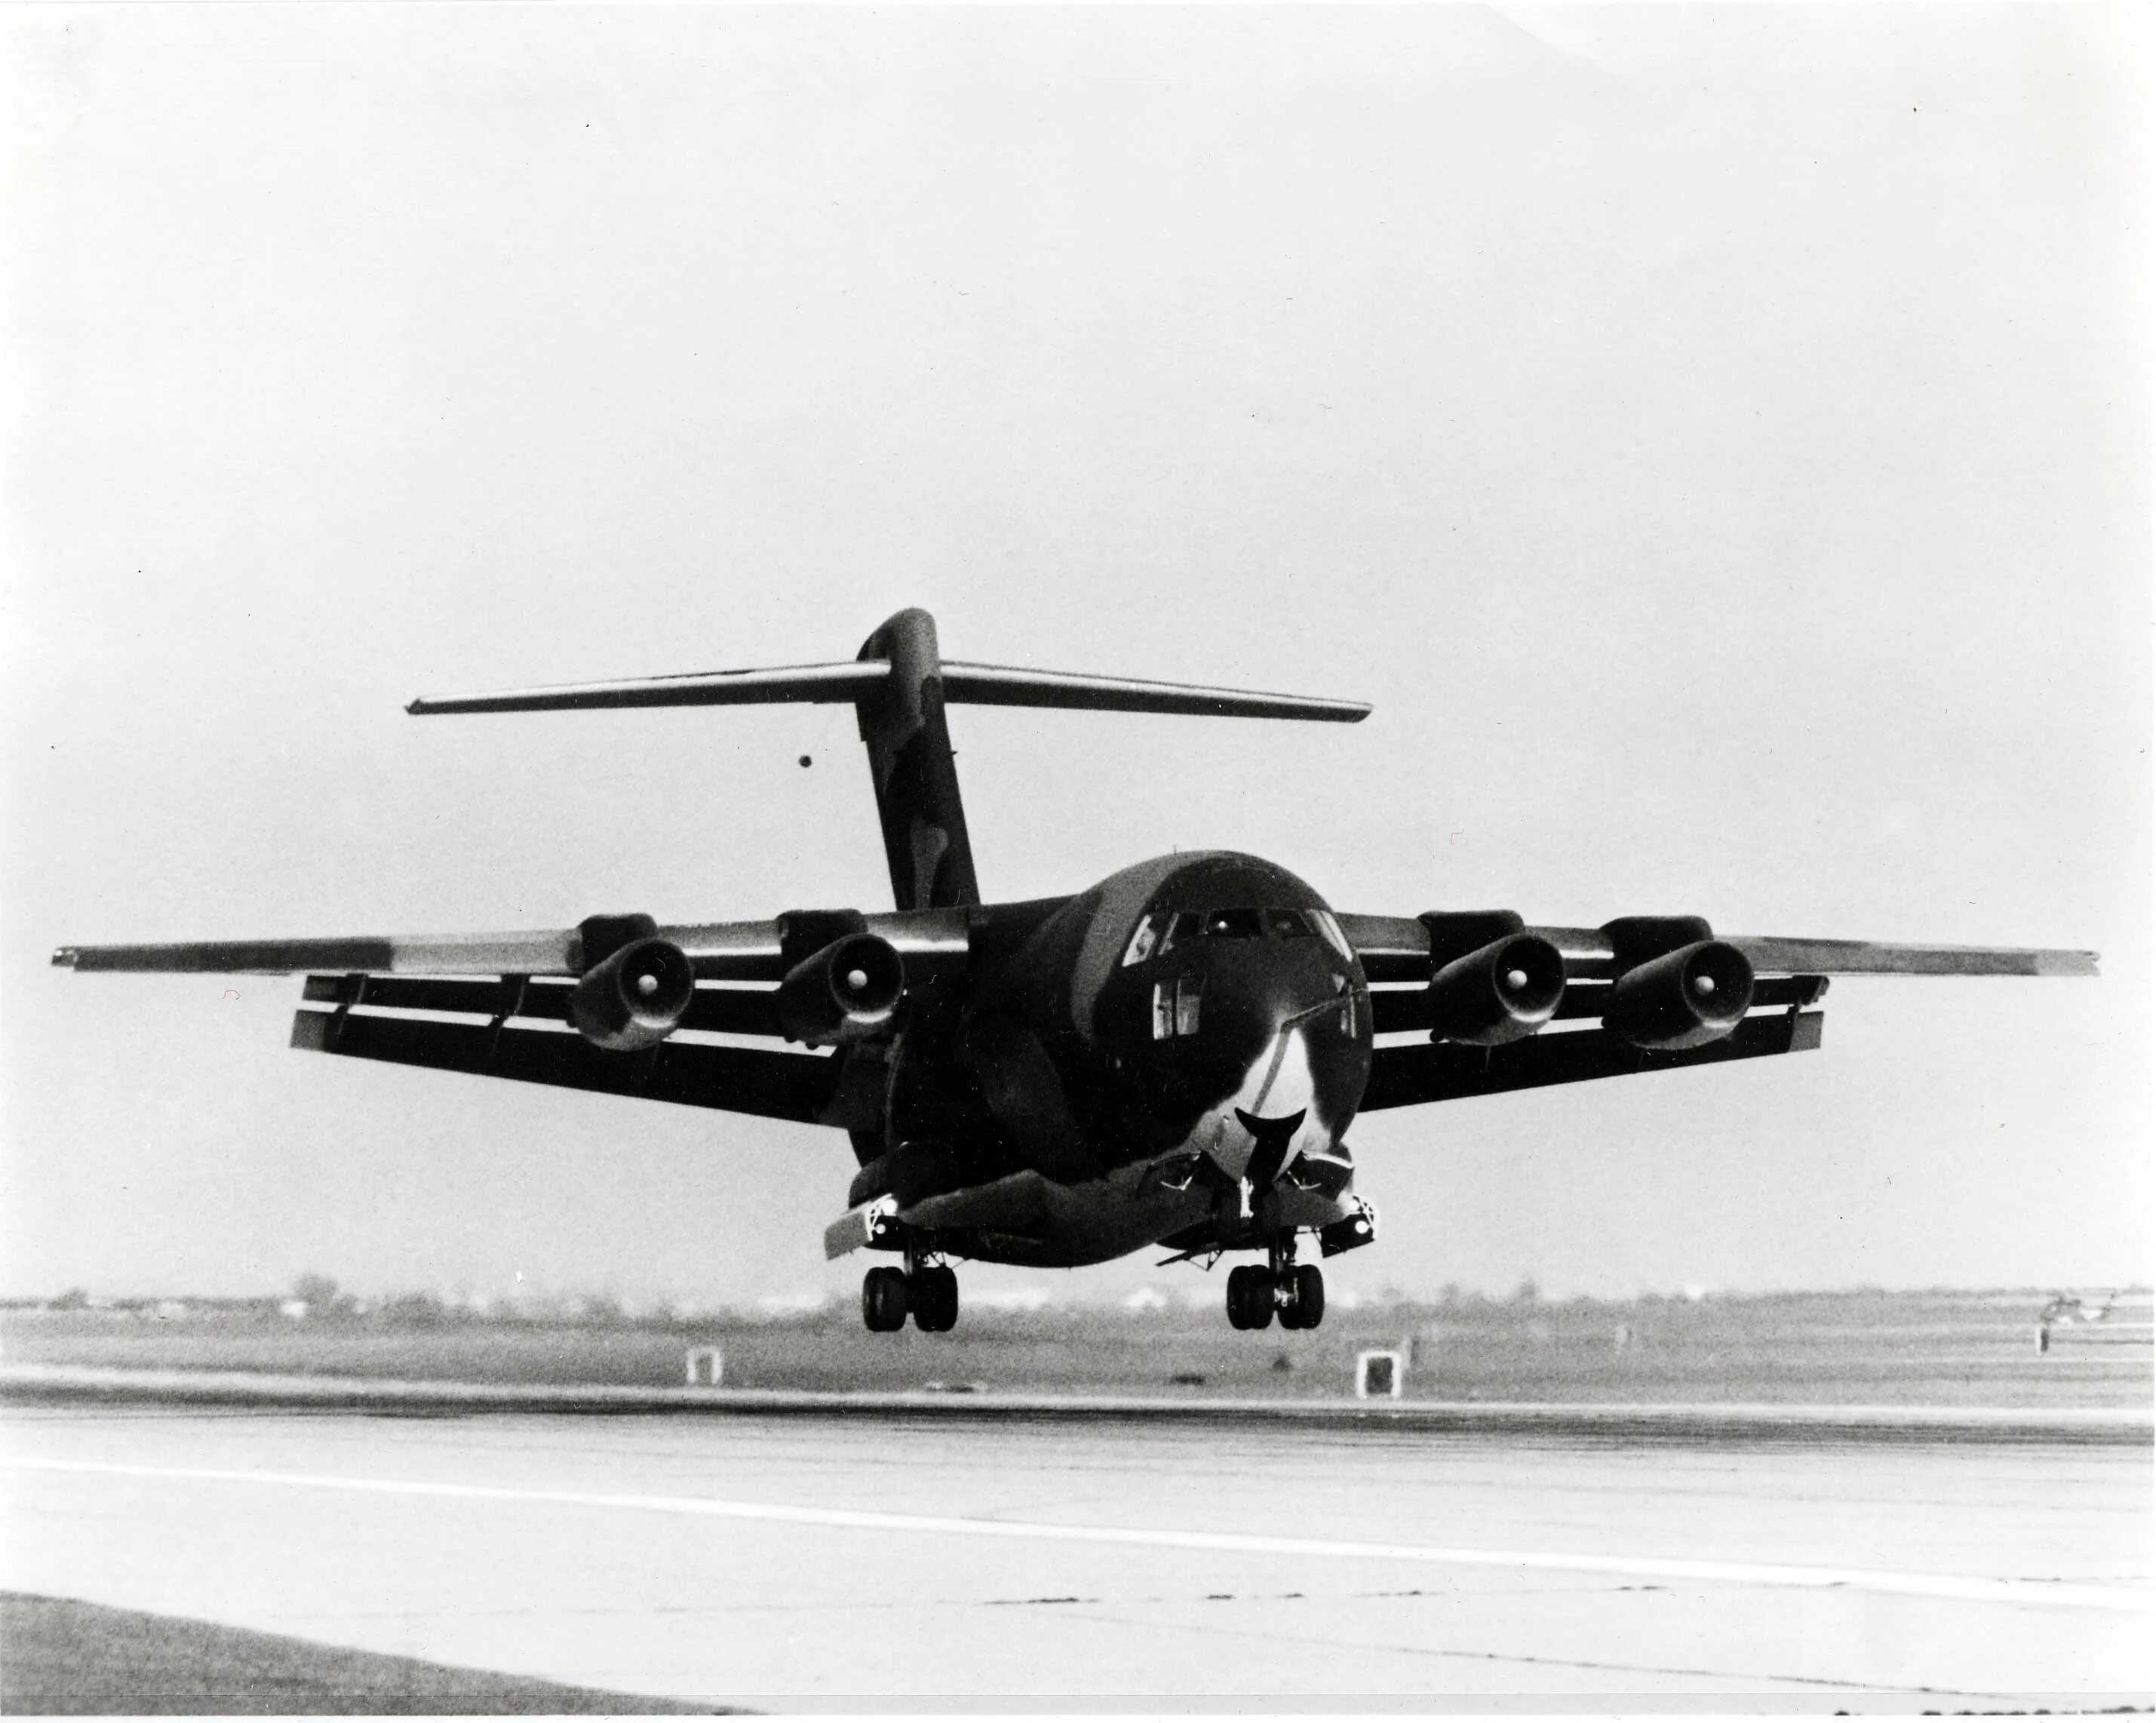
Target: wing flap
{"type": "Point", "coordinates": [1410, 1076]}
{"type": "Point", "coordinates": [728, 1010]}
{"type": "Point", "coordinates": [1398, 1009]}
{"type": "Point", "coordinates": [799, 1086]}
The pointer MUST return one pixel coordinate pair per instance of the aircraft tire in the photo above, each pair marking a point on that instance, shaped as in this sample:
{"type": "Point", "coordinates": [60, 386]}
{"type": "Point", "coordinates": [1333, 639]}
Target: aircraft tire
{"type": "Point", "coordinates": [1306, 1297]}
{"type": "Point", "coordinates": [1249, 1297]}
{"type": "Point", "coordinates": [884, 1301]}
{"type": "Point", "coordinates": [933, 1295]}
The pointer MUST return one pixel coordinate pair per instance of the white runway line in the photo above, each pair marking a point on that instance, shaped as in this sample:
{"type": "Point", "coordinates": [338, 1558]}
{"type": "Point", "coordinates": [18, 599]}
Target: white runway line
{"type": "Point", "coordinates": [1970, 1588]}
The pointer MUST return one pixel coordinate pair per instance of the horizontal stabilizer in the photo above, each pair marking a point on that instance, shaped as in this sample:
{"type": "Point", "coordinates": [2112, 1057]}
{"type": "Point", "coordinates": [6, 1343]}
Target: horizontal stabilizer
{"type": "Point", "coordinates": [830, 683]}
{"type": "Point", "coordinates": [1003, 685]}
{"type": "Point", "coordinates": [963, 685]}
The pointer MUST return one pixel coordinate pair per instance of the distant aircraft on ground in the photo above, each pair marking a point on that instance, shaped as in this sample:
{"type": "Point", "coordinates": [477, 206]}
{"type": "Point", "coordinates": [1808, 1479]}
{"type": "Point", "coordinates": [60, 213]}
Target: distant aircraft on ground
{"type": "Point", "coordinates": [1172, 1057]}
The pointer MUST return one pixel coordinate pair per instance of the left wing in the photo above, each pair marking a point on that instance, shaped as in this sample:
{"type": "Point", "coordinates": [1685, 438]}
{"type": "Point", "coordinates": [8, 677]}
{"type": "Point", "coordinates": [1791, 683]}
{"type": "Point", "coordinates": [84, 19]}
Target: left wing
{"type": "Point", "coordinates": [1623, 996]}
{"type": "Point", "coordinates": [497, 1005]}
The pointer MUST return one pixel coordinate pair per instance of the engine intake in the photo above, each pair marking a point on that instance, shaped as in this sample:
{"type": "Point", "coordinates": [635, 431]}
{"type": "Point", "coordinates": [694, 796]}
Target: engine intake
{"type": "Point", "coordinates": [1501, 991]}
{"type": "Point", "coordinates": [1686, 997]}
{"type": "Point", "coordinates": [846, 992]}
{"type": "Point", "coordinates": [636, 998]}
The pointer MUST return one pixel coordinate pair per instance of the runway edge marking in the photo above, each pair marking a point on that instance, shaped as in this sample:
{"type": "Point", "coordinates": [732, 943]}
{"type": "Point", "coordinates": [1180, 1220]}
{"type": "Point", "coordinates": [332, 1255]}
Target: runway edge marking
{"type": "Point", "coordinates": [1963, 1587]}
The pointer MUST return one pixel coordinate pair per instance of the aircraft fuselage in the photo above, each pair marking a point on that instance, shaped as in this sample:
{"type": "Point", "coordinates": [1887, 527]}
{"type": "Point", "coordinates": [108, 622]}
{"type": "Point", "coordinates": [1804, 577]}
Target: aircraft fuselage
{"type": "Point", "coordinates": [1178, 1050]}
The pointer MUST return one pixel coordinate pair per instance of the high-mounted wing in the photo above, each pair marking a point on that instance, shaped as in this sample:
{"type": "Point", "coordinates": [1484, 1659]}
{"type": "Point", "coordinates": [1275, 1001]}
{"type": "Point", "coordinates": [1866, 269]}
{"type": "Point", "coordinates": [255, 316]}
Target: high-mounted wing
{"type": "Point", "coordinates": [1643, 993]}
{"type": "Point", "coordinates": [1399, 948]}
{"type": "Point", "coordinates": [501, 1005]}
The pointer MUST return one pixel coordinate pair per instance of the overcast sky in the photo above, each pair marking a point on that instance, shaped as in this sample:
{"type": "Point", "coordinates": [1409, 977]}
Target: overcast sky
{"type": "Point", "coordinates": [1716, 441]}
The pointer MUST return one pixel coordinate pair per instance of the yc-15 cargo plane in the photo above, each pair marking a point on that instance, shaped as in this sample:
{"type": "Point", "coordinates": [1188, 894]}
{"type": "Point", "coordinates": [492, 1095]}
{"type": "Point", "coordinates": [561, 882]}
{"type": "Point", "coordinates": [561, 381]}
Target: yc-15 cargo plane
{"type": "Point", "coordinates": [1170, 1057]}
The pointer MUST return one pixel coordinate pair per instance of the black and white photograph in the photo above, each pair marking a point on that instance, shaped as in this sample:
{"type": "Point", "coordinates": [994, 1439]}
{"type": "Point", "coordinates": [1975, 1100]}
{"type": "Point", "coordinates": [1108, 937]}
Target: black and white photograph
{"type": "Point", "coordinates": [973, 859]}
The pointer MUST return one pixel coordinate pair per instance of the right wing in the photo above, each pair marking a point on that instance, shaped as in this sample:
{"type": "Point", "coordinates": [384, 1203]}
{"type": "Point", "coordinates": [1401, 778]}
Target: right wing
{"type": "Point", "coordinates": [1399, 955]}
{"type": "Point", "coordinates": [1395, 948]}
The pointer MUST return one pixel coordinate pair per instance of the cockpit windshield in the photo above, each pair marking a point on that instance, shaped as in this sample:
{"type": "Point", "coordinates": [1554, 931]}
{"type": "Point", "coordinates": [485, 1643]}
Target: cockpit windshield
{"type": "Point", "coordinates": [1158, 932]}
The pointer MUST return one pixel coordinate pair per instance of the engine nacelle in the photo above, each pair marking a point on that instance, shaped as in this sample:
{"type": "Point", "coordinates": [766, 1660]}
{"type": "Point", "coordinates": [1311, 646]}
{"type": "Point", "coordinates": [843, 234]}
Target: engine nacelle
{"type": "Point", "coordinates": [1501, 991]}
{"type": "Point", "coordinates": [634, 998]}
{"type": "Point", "coordinates": [1686, 997]}
{"type": "Point", "coordinates": [846, 992]}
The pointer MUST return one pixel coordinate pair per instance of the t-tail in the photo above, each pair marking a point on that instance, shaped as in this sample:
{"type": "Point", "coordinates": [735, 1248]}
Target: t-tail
{"type": "Point", "coordinates": [899, 685]}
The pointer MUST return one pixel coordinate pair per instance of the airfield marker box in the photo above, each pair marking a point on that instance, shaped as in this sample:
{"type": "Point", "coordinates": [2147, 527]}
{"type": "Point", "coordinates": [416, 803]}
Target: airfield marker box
{"type": "Point", "coordinates": [1380, 1375]}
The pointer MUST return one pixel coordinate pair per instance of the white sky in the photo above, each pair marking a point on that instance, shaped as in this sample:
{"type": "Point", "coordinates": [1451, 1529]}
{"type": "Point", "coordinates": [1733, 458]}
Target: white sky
{"type": "Point", "coordinates": [1716, 440]}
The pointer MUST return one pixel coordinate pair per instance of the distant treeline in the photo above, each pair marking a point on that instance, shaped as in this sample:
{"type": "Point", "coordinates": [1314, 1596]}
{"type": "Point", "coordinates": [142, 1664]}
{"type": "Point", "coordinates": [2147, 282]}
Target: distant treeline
{"type": "Point", "coordinates": [316, 1299]}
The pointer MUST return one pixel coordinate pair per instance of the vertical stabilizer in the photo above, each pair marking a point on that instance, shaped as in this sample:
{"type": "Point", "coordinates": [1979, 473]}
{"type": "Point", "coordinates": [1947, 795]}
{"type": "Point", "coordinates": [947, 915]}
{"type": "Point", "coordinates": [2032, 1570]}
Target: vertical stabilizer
{"type": "Point", "coordinates": [898, 684]}
{"type": "Point", "coordinates": [916, 781]}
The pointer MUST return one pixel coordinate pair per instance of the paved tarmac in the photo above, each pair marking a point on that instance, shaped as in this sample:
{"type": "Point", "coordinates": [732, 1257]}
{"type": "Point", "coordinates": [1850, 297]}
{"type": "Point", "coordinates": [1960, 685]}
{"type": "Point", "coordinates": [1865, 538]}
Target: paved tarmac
{"type": "Point", "coordinates": [781, 1559]}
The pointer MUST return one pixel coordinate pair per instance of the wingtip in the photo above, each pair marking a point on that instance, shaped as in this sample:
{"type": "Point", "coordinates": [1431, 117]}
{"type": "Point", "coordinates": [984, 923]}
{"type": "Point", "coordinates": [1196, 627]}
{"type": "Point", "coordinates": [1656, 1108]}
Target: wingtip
{"type": "Point", "coordinates": [63, 958]}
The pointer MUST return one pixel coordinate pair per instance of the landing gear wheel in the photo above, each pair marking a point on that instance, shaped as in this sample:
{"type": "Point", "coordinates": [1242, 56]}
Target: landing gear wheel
{"type": "Point", "coordinates": [933, 1294]}
{"type": "Point", "coordinates": [1305, 1307]}
{"type": "Point", "coordinates": [884, 1301]}
{"type": "Point", "coordinates": [1249, 1297]}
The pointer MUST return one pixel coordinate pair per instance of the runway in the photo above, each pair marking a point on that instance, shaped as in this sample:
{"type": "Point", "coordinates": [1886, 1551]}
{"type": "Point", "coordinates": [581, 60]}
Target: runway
{"type": "Point", "coordinates": [782, 1560]}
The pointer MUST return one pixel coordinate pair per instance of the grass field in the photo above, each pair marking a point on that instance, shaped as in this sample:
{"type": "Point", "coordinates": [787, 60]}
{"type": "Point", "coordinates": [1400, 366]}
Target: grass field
{"type": "Point", "coordinates": [63, 1657]}
{"type": "Point", "coordinates": [1922, 1348]}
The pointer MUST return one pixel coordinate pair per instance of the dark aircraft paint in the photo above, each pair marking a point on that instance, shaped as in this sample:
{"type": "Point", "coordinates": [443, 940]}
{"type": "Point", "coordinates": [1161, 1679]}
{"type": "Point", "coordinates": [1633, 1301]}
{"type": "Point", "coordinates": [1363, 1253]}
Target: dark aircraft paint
{"type": "Point", "coordinates": [1122, 1029]}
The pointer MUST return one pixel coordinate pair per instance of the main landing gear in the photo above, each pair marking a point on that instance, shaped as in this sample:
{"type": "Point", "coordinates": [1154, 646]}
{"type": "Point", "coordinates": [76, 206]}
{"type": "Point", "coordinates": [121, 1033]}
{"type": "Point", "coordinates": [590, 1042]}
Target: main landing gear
{"type": "Point", "coordinates": [928, 1293]}
{"type": "Point", "coordinates": [1296, 1293]}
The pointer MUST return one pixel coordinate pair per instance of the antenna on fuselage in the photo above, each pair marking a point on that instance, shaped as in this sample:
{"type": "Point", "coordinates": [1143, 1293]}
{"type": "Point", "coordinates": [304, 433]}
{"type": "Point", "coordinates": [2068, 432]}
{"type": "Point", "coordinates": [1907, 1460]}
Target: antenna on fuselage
{"type": "Point", "coordinates": [899, 685]}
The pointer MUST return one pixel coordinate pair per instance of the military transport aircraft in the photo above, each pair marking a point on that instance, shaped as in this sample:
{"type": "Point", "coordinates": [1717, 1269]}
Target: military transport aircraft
{"type": "Point", "coordinates": [1171, 1058]}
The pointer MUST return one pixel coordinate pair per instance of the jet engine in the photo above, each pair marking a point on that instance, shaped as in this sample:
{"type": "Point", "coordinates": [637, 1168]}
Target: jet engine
{"type": "Point", "coordinates": [635, 998]}
{"type": "Point", "coordinates": [1499, 992]}
{"type": "Point", "coordinates": [1686, 997]}
{"type": "Point", "coordinates": [845, 992]}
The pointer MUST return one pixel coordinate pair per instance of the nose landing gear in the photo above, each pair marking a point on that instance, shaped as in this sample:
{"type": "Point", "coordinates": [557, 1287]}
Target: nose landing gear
{"type": "Point", "coordinates": [929, 1292]}
{"type": "Point", "coordinates": [1295, 1294]}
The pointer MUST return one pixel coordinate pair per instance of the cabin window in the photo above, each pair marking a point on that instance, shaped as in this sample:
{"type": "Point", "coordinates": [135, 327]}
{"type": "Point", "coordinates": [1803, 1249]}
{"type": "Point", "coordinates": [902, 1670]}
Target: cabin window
{"type": "Point", "coordinates": [1141, 943]}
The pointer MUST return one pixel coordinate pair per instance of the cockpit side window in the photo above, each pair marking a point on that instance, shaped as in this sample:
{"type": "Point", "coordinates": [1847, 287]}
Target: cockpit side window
{"type": "Point", "coordinates": [1329, 926]}
{"type": "Point", "coordinates": [1141, 943]}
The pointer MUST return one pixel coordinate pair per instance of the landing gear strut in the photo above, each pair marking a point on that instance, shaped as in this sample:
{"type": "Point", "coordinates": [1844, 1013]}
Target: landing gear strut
{"type": "Point", "coordinates": [1296, 1295]}
{"type": "Point", "coordinates": [928, 1291]}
